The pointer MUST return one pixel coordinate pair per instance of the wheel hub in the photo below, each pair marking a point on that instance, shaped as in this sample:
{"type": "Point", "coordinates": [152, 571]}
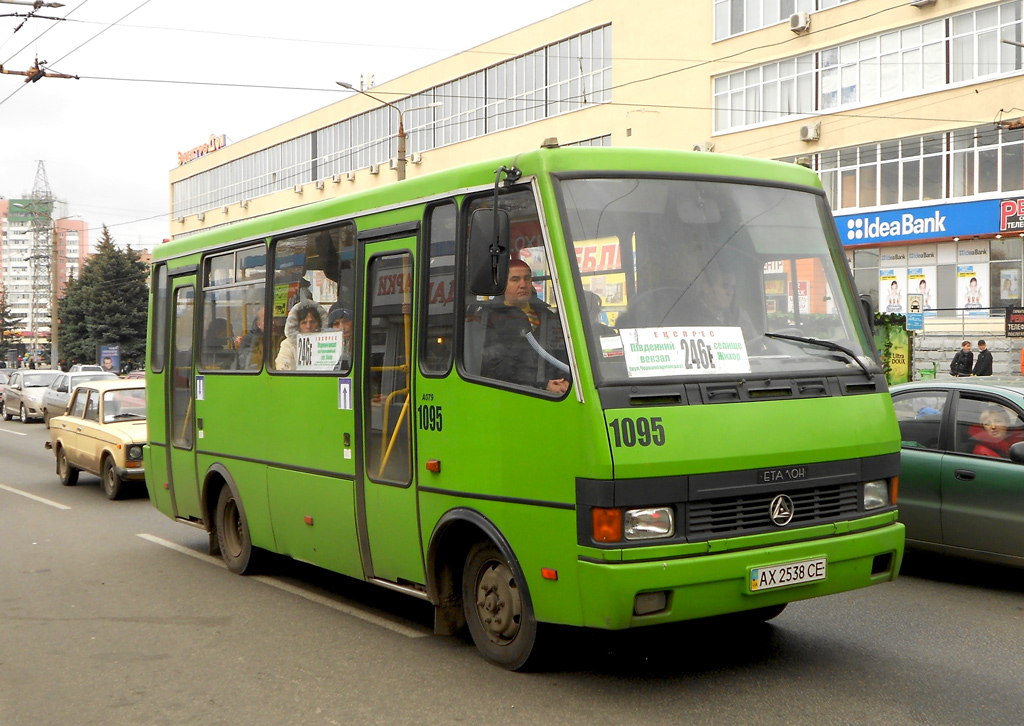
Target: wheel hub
{"type": "Point", "coordinates": [498, 602]}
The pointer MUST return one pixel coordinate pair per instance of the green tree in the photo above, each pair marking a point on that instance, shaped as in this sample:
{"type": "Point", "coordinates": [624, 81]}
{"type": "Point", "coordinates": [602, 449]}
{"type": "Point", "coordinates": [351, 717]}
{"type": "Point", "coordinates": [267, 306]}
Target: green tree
{"type": "Point", "coordinates": [8, 323]}
{"type": "Point", "coordinates": [106, 305]}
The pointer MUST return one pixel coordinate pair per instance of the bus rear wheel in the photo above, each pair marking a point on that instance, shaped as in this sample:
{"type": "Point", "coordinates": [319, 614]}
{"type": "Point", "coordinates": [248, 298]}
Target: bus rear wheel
{"type": "Point", "coordinates": [497, 612]}
{"type": "Point", "coordinates": [233, 534]}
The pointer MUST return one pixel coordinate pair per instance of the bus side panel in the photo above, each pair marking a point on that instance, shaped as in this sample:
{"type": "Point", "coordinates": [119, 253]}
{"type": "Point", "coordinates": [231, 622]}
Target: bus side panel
{"type": "Point", "coordinates": [524, 451]}
{"type": "Point", "coordinates": [314, 519]}
{"type": "Point", "coordinates": [155, 461]}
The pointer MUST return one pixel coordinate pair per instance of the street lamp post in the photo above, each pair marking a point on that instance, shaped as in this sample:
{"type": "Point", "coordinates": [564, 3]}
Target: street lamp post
{"type": "Point", "coordinates": [401, 122]}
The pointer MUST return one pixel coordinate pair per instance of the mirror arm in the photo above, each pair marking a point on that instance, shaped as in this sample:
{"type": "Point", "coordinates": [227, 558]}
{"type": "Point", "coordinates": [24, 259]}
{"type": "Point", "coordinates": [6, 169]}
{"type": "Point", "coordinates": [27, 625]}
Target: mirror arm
{"type": "Point", "coordinates": [512, 175]}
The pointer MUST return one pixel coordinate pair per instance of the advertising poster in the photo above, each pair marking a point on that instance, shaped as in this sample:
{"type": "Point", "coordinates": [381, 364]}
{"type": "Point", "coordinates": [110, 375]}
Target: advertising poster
{"type": "Point", "coordinates": [972, 289]}
{"type": "Point", "coordinates": [1009, 286]}
{"type": "Point", "coordinates": [892, 284]}
{"type": "Point", "coordinates": [893, 345]}
{"type": "Point", "coordinates": [921, 281]}
{"type": "Point", "coordinates": [110, 358]}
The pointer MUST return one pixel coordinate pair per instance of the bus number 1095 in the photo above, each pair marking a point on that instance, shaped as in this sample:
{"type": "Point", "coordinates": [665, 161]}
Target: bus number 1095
{"type": "Point", "coordinates": [643, 431]}
{"type": "Point", "coordinates": [430, 417]}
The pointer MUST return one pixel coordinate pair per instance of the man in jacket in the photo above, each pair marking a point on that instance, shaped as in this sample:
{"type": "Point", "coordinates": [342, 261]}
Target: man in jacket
{"type": "Point", "coordinates": [983, 366]}
{"type": "Point", "coordinates": [963, 361]}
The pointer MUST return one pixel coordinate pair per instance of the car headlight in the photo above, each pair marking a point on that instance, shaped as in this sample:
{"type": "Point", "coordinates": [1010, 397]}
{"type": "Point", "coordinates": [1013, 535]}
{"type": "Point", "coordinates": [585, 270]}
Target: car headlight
{"type": "Point", "coordinates": [876, 494]}
{"type": "Point", "coordinates": [135, 452]}
{"type": "Point", "coordinates": [649, 523]}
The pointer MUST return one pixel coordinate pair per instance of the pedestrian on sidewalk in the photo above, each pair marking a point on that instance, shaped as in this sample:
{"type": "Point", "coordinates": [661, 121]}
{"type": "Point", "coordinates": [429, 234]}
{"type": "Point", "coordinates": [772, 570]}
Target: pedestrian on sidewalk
{"type": "Point", "coordinates": [963, 361]}
{"type": "Point", "coordinates": [983, 366]}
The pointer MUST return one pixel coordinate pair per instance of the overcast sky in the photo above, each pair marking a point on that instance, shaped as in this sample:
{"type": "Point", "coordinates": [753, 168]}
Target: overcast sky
{"type": "Point", "coordinates": [109, 139]}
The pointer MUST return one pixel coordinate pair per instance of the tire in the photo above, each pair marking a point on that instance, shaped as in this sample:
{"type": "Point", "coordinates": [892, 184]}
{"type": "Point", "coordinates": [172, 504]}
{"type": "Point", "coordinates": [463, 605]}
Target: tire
{"type": "Point", "coordinates": [22, 413]}
{"type": "Point", "coordinates": [67, 473]}
{"type": "Point", "coordinates": [46, 418]}
{"type": "Point", "coordinates": [497, 609]}
{"type": "Point", "coordinates": [112, 484]}
{"type": "Point", "coordinates": [6, 413]}
{"type": "Point", "coordinates": [233, 535]}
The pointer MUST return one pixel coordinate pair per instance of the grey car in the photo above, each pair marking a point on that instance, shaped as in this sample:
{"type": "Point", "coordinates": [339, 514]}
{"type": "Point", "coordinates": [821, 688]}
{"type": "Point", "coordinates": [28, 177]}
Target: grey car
{"type": "Point", "coordinates": [57, 395]}
{"type": "Point", "coordinates": [23, 396]}
{"type": "Point", "coordinates": [961, 488]}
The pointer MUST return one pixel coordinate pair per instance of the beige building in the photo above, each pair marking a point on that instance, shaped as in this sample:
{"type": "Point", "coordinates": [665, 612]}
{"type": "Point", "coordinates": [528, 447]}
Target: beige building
{"type": "Point", "coordinates": [908, 110]}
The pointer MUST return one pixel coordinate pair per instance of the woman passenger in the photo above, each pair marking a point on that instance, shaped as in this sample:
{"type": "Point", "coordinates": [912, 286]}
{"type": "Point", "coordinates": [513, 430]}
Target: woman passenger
{"type": "Point", "coordinates": [306, 317]}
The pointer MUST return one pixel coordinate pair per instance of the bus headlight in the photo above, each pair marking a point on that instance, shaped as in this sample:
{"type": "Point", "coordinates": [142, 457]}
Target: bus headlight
{"type": "Point", "coordinates": [876, 494]}
{"type": "Point", "coordinates": [649, 523]}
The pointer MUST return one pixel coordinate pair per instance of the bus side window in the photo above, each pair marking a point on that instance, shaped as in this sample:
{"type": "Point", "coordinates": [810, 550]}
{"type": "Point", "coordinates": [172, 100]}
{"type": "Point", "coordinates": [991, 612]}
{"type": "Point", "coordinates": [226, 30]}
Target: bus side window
{"type": "Point", "coordinates": [436, 337]}
{"type": "Point", "coordinates": [516, 338]}
{"type": "Point", "coordinates": [315, 270]}
{"type": "Point", "coordinates": [233, 289]}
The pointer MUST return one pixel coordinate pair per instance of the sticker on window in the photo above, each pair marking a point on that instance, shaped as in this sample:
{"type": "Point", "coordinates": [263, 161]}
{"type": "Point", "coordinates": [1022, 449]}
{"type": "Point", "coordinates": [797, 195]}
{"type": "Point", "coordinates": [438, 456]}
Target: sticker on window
{"type": "Point", "coordinates": [684, 351]}
{"type": "Point", "coordinates": [318, 351]}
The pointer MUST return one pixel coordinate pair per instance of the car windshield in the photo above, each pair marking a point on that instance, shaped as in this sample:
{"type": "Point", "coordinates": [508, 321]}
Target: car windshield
{"type": "Point", "coordinates": [683, 277]}
{"type": "Point", "coordinates": [40, 379]}
{"type": "Point", "coordinates": [124, 404]}
{"type": "Point", "coordinates": [86, 377]}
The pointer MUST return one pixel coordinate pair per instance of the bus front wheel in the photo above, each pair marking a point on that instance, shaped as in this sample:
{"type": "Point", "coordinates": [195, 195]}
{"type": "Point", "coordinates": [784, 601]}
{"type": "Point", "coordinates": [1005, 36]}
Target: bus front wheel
{"type": "Point", "coordinates": [233, 534]}
{"type": "Point", "coordinates": [497, 612]}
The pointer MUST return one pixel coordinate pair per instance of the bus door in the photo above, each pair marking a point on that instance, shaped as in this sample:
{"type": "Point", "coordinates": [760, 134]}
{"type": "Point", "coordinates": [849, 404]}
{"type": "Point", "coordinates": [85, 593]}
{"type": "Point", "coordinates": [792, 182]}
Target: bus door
{"type": "Point", "coordinates": [386, 487]}
{"type": "Point", "coordinates": [180, 397]}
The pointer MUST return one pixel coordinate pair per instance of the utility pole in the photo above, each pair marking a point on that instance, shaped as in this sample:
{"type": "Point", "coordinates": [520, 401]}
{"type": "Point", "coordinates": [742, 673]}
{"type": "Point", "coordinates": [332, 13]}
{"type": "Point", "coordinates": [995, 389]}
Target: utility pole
{"type": "Point", "coordinates": [54, 288]}
{"type": "Point", "coordinates": [39, 254]}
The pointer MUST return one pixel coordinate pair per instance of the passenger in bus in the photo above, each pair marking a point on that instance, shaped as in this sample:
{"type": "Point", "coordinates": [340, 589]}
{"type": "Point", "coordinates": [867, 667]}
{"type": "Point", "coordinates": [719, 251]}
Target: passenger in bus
{"type": "Point", "coordinates": [593, 303]}
{"type": "Point", "coordinates": [250, 345]}
{"type": "Point", "coordinates": [523, 342]}
{"type": "Point", "coordinates": [216, 344]}
{"type": "Point", "coordinates": [305, 317]}
{"type": "Point", "coordinates": [717, 305]}
{"type": "Point", "coordinates": [339, 317]}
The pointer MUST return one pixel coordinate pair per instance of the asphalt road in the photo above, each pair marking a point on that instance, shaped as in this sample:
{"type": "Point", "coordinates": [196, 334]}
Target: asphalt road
{"type": "Point", "coordinates": [111, 614]}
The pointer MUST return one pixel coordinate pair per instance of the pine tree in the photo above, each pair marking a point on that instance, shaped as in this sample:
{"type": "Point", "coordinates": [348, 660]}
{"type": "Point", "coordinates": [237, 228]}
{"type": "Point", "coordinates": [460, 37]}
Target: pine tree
{"type": "Point", "coordinates": [8, 323]}
{"type": "Point", "coordinates": [106, 305]}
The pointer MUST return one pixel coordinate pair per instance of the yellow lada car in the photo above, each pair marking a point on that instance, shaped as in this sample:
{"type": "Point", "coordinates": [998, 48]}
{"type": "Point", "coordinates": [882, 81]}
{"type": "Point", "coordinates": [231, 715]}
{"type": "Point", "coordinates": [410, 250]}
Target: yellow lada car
{"type": "Point", "coordinates": [102, 433]}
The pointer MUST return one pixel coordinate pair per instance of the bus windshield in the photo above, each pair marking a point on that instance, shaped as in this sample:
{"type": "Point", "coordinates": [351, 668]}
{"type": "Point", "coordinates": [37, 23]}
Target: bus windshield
{"type": "Point", "coordinates": [685, 277]}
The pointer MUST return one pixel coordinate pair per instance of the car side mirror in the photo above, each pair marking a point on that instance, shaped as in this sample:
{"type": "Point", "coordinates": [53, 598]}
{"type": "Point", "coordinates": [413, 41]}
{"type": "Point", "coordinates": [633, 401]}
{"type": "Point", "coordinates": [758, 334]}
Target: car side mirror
{"type": "Point", "coordinates": [1017, 452]}
{"type": "Point", "coordinates": [489, 233]}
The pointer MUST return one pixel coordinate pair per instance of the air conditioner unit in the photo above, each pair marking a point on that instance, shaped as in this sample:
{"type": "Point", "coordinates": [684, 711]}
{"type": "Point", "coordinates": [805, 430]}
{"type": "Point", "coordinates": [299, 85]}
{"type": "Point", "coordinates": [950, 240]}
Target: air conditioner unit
{"type": "Point", "coordinates": [201, 216]}
{"type": "Point", "coordinates": [351, 176]}
{"type": "Point", "coordinates": [922, 3]}
{"type": "Point", "coordinates": [375, 168]}
{"type": "Point", "coordinates": [244, 204]}
{"type": "Point", "coordinates": [297, 189]}
{"type": "Point", "coordinates": [704, 146]}
{"type": "Point", "coordinates": [810, 132]}
{"type": "Point", "coordinates": [804, 161]}
{"type": "Point", "coordinates": [393, 163]}
{"type": "Point", "coordinates": [415, 158]}
{"type": "Point", "coordinates": [320, 184]}
{"type": "Point", "coordinates": [336, 179]}
{"type": "Point", "coordinates": [224, 209]}
{"type": "Point", "coordinates": [181, 220]}
{"type": "Point", "coordinates": [800, 22]}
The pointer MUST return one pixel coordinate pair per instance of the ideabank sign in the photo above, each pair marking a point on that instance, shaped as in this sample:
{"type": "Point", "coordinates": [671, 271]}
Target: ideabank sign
{"type": "Point", "coordinates": [967, 219]}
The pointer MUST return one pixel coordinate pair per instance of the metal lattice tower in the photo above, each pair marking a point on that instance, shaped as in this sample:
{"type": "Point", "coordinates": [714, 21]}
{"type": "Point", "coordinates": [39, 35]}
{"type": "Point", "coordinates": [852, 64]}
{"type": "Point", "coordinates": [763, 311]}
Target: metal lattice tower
{"type": "Point", "coordinates": [39, 256]}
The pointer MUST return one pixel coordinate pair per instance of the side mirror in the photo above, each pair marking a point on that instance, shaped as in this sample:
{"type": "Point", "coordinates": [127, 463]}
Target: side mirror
{"type": "Point", "coordinates": [1017, 452]}
{"type": "Point", "coordinates": [488, 251]}
{"type": "Point", "coordinates": [869, 311]}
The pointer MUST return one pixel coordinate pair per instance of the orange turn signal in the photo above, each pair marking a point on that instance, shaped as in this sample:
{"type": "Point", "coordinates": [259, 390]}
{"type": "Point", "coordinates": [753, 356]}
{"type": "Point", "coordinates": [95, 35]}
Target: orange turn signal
{"type": "Point", "coordinates": [607, 524]}
{"type": "Point", "coordinates": [548, 574]}
{"type": "Point", "coordinates": [895, 489]}
{"type": "Point", "coordinates": [434, 465]}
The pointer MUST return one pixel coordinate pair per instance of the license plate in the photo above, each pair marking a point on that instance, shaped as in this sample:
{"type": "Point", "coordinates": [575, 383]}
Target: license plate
{"type": "Point", "coordinates": [794, 573]}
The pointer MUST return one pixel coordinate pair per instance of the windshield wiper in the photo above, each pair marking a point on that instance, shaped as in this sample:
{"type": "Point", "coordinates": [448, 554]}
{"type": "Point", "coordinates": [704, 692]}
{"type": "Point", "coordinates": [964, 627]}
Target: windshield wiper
{"type": "Point", "coordinates": [128, 415]}
{"type": "Point", "coordinates": [823, 344]}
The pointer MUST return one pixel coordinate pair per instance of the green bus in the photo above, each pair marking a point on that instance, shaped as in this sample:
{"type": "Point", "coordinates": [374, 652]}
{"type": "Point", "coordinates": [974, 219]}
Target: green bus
{"type": "Point", "coordinates": [595, 387]}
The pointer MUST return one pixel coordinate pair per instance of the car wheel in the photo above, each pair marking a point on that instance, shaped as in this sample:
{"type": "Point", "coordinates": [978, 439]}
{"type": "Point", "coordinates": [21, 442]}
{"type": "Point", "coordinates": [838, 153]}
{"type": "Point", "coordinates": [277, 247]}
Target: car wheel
{"type": "Point", "coordinates": [22, 413]}
{"type": "Point", "coordinates": [233, 535]}
{"type": "Point", "coordinates": [67, 473]}
{"type": "Point", "coordinates": [6, 413]}
{"type": "Point", "coordinates": [112, 483]}
{"type": "Point", "coordinates": [497, 611]}
{"type": "Point", "coordinates": [46, 418]}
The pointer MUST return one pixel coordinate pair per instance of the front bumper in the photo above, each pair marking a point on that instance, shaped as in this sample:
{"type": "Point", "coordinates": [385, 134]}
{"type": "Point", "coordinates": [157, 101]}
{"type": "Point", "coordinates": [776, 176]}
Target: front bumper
{"type": "Point", "coordinates": [715, 584]}
{"type": "Point", "coordinates": [135, 473]}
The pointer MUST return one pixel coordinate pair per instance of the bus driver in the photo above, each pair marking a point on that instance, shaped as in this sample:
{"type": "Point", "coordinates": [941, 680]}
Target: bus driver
{"type": "Point", "coordinates": [509, 354]}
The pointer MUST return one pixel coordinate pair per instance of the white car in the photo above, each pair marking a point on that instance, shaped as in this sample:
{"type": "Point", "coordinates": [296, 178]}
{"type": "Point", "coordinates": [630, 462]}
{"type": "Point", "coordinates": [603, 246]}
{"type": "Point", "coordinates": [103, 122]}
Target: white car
{"type": "Point", "coordinates": [23, 396]}
{"type": "Point", "coordinates": [57, 395]}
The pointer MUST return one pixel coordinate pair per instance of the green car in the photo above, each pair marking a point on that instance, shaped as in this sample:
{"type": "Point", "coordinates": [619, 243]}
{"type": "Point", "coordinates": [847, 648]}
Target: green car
{"type": "Point", "coordinates": [961, 489]}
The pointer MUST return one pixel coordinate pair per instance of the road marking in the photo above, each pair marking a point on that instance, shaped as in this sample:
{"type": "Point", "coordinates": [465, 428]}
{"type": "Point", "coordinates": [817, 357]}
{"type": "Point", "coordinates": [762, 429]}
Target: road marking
{"type": "Point", "coordinates": [16, 433]}
{"type": "Point", "coordinates": [407, 631]}
{"type": "Point", "coordinates": [33, 496]}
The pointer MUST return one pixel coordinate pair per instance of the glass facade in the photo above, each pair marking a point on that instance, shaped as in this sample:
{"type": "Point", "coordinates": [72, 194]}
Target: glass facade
{"type": "Point", "coordinates": [566, 76]}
